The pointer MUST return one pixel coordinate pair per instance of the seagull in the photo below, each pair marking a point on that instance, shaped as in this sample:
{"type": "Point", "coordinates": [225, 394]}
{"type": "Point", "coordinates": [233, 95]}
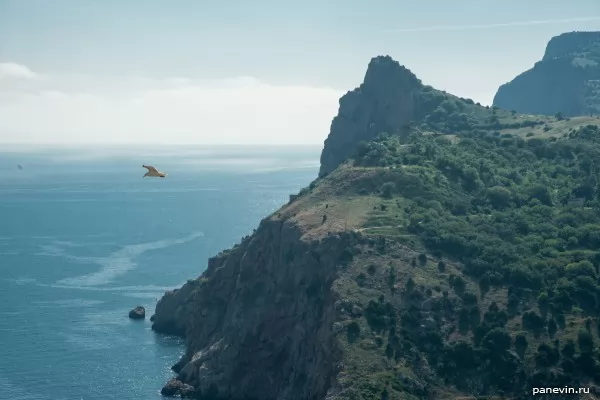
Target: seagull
{"type": "Point", "coordinates": [153, 172]}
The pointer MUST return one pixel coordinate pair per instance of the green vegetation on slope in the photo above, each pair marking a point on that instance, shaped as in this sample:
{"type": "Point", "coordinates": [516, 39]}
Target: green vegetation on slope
{"type": "Point", "coordinates": [481, 272]}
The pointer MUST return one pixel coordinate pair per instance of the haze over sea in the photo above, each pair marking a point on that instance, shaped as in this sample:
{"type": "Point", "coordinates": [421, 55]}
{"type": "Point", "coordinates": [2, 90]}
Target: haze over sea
{"type": "Point", "coordinates": [84, 239]}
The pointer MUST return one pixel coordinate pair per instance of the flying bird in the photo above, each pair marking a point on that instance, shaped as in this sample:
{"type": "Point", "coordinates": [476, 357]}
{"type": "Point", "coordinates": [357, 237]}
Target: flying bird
{"type": "Point", "coordinates": [153, 172]}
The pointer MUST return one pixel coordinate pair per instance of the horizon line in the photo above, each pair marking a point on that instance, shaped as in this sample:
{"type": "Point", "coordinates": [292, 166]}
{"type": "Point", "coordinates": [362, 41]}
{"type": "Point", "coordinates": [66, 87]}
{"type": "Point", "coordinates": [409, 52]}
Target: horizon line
{"type": "Point", "coordinates": [156, 144]}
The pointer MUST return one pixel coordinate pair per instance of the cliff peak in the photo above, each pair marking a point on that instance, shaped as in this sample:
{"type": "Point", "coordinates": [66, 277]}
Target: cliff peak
{"type": "Point", "coordinates": [384, 69]}
{"type": "Point", "coordinates": [571, 44]}
{"type": "Point", "coordinates": [565, 81]}
{"type": "Point", "coordinates": [384, 102]}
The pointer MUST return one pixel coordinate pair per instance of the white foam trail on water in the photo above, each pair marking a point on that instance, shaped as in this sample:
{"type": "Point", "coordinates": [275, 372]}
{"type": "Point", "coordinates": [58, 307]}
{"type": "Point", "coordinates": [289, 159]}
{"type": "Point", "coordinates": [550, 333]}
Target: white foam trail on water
{"type": "Point", "coordinates": [22, 281]}
{"type": "Point", "coordinates": [113, 265]}
{"type": "Point", "coordinates": [65, 243]}
{"type": "Point", "coordinates": [10, 238]}
{"type": "Point", "coordinates": [131, 291]}
{"type": "Point", "coordinates": [25, 237]}
{"type": "Point", "coordinates": [117, 289]}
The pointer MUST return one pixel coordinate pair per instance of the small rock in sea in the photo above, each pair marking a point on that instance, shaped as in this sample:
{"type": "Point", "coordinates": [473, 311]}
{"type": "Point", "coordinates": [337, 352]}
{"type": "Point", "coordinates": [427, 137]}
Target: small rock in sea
{"type": "Point", "coordinates": [175, 387]}
{"type": "Point", "coordinates": [152, 318]}
{"type": "Point", "coordinates": [138, 313]}
{"type": "Point", "coordinates": [171, 388]}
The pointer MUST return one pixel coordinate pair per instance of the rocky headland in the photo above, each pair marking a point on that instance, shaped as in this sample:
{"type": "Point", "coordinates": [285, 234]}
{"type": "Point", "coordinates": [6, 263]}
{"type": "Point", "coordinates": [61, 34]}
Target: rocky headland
{"type": "Point", "coordinates": [436, 256]}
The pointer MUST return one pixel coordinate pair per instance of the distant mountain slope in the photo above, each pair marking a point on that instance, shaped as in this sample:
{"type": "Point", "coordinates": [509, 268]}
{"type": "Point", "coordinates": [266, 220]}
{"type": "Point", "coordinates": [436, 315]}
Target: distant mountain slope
{"type": "Point", "coordinates": [566, 80]}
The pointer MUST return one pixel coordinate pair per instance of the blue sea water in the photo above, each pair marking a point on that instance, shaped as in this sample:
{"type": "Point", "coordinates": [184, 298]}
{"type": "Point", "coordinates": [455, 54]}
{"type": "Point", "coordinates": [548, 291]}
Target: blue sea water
{"type": "Point", "coordinates": [83, 239]}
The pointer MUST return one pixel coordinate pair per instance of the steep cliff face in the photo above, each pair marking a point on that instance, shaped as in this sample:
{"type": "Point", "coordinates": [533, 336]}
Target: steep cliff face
{"type": "Point", "coordinates": [258, 323]}
{"type": "Point", "coordinates": [566, 80]}
{"type": "Point", "coordinates": [574, 45]}
{"type": "Point", "coordinates": [385, 102]}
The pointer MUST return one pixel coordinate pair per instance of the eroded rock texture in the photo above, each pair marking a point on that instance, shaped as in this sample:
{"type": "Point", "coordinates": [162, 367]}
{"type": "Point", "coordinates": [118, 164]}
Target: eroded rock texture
{"type": "Point", "coordinates": [259, 322]}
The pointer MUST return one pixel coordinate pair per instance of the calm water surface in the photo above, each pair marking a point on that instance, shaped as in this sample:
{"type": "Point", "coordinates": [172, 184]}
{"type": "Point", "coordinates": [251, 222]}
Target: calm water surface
{"type": "Point", "coordinates": [83, 239]}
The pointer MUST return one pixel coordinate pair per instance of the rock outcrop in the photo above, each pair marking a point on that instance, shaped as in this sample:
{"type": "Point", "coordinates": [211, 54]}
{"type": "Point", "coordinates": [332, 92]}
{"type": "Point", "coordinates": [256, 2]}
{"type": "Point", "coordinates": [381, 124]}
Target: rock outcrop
{"type": "Point", "coordinates": [566, 80]}
{"type": "Point", "coordinates": [259, 321]}
{"type": "Point", "coordinates": [177, 388]}
{"type": "Point", "coordinates": [385, 102]}
{"type": "Point", "coordinates": [138, 313]}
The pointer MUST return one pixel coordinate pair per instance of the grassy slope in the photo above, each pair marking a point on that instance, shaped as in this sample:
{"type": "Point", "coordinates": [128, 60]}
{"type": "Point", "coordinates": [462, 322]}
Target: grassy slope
{"type": "Point", "coordinates": [351, 199]}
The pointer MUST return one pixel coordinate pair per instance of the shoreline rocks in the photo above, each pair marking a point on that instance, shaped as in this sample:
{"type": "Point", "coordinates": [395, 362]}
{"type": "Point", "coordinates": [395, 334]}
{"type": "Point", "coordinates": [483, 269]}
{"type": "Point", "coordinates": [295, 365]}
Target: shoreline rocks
{"type": "Point", "coordinates": [175, 387]}
{"type": "Point", "coordinates": [258, 322]}
{"type": "Point", "coordinates": [138, 313]}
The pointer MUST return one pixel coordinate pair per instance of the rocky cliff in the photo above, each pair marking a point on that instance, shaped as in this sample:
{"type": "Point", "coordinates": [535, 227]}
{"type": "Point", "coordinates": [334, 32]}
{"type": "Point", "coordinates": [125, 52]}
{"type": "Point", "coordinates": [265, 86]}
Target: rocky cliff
{"type": "Point", "coordinates": [566, 80]}
{"type": "Point", "coordinates": [385, 102]}
{"type": "Point", "coordinates": [258, 323]}
{"type": "Point", "coordinates": [454, 255]}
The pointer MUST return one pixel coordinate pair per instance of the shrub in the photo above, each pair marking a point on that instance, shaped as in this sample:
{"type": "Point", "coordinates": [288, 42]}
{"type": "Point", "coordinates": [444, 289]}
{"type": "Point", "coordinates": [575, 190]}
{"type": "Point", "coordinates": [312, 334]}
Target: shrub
{"type": "Point", "coordinates": [441, 266]}
{"type": "Point", "coordinates": [353, 328]}
{"type": "Point", "coordinates": [388, 189]}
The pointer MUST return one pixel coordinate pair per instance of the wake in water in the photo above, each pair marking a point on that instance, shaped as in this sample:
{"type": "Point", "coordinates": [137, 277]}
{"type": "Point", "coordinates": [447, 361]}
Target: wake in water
{"type": "Point", "coordinates": [113, 265]}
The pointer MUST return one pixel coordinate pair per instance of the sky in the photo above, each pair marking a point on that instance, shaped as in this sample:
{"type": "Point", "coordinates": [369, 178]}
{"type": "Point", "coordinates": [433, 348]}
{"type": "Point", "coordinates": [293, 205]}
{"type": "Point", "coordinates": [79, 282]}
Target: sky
{"type": "Point", "coordinates": [246, 72]}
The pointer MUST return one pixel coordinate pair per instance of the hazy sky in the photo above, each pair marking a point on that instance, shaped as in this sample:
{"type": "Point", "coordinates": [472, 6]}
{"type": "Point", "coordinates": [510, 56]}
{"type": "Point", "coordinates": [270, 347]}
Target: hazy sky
{"type": "Point", "coordinates": [262, 71]}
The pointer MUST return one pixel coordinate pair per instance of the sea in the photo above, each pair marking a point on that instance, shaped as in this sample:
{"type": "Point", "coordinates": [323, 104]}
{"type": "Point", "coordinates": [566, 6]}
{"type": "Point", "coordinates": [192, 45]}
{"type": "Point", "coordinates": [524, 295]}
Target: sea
{"type": "Point", "coordinates": [84, 239]}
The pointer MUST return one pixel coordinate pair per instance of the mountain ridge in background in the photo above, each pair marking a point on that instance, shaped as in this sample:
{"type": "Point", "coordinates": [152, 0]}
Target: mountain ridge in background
{"type": "Point", "coordinates": [566, 80]}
